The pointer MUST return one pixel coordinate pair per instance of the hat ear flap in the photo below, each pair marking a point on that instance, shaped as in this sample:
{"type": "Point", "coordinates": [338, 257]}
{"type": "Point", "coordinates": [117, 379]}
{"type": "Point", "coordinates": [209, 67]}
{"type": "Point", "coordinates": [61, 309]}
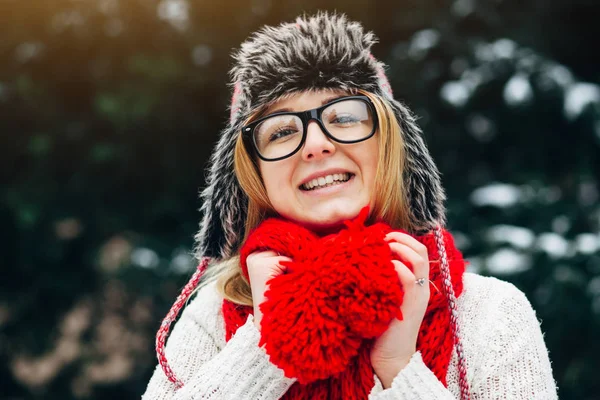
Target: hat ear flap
{"type": "Point", "coordinates": [422, 178]}
{"type": "Point", "coordinates": [224, 203]}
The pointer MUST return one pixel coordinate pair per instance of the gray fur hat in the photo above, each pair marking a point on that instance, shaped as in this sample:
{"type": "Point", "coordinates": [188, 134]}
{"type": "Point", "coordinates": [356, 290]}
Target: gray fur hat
{"type": "Point", "coordinates": [324, 51]}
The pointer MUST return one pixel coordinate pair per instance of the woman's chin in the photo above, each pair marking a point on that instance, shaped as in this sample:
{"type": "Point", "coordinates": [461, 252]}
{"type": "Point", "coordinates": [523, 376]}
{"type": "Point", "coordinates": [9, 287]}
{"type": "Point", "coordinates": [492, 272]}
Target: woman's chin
{"type": "Point", "coordinates": [329, 222]}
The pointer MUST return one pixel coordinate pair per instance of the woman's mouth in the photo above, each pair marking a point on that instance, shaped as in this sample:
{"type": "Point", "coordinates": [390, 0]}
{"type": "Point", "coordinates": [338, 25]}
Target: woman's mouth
{"type": "Point", "coordinates": [326, 181]}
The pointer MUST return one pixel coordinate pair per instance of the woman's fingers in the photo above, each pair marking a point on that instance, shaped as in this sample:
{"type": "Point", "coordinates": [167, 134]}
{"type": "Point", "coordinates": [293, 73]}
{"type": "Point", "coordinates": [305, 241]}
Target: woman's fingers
{"type": "Point", "coordinates": [405, 254]}
{"type": "Point", "coordinates": [414, 293]}
{"type": "Point", "coordinates": [407, 278]}
{"type": "Point", "coordinates": [416, 262]}
{"type": "Point", "coordinates": [261, 255]}
{"type": "Point", "coordinates": [408, 240]}
{"type": "Point", "coordinates": [262, 266]}
{"type": "Point", "coordinates": [266, 258]}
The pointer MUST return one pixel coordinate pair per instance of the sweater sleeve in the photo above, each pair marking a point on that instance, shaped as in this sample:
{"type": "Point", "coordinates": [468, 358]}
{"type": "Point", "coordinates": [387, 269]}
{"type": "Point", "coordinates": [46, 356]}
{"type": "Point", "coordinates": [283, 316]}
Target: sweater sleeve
{"type": "Point", "coordinates": [506, 359]}
{"type": "Point", "coordinates": [239, 370]}
{"type": "Point", "coordinates": [415, 381]}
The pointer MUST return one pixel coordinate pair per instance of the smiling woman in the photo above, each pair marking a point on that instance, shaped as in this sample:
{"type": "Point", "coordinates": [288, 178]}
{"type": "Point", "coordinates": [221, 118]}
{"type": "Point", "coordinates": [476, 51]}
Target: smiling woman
{"type": "Point", "coordinates": [324, 218]}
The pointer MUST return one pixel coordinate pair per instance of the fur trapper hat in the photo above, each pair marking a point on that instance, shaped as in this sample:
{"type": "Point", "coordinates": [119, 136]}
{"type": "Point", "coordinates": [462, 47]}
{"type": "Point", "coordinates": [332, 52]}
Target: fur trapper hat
{"type": "Point", "coordinates": [324, 51]}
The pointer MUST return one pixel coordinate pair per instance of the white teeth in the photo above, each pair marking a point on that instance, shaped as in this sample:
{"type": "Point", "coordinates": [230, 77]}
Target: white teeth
{"type": "Point", "coordinates": [325, 181]}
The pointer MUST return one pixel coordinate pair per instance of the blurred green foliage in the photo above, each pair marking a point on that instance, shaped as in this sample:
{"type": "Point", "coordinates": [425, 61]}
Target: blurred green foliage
{"type": "Point", "coordinates": [109, 110]}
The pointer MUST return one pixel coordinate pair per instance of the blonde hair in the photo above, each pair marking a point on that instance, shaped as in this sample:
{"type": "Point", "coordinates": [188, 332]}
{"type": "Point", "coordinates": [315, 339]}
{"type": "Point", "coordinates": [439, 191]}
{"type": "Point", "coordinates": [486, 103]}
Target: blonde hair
{"type": "Point", "coordinates": [389, 204]}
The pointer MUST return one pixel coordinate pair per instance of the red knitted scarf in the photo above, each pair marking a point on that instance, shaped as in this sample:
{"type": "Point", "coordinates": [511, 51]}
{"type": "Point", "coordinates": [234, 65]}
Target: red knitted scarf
{"type": "Point", "coordinates": [339, 293]}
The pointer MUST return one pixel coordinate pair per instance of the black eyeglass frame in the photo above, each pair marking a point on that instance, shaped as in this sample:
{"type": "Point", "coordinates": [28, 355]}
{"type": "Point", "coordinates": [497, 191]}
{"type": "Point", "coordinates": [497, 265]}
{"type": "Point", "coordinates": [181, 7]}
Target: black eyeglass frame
{"type": "Point", "coordinates": [307, 116]}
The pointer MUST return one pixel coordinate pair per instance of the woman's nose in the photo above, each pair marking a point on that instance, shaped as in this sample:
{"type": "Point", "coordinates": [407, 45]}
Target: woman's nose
{"type": "Point", "coordinates": [317, 144]}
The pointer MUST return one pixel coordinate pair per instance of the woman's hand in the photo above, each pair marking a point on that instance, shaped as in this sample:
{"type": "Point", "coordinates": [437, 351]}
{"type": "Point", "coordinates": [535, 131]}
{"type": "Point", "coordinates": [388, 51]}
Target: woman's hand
{"type": "Point", "coordinates": [392, 351]}
{"type": "Point", "coordinates": [262, 266]}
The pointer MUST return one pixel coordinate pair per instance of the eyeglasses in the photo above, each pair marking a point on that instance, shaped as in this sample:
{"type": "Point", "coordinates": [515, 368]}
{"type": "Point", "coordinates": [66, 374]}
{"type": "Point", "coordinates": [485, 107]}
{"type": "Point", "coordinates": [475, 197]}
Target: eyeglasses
{"type": "Point", "coordinates": [347, 120]}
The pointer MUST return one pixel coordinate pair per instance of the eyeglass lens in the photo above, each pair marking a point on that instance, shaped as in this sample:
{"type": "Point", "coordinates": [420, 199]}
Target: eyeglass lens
{"type": "Point", "coordinates": [346, 121]}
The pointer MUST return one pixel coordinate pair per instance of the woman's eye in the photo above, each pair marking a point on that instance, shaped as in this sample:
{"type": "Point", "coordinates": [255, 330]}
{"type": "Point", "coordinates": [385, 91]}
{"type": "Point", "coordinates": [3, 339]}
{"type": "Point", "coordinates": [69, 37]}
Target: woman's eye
{"type": "Point", "coordinates": [345, 119]}
{"type": "Point", "coordinates": [281, 134]}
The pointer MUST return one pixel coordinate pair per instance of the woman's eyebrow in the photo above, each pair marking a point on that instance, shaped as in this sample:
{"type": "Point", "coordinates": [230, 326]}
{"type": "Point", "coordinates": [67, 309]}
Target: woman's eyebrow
{"type": "Point", "coordinates": [332, 98]}
{"type": "Point", "coordinates": [325, 101]}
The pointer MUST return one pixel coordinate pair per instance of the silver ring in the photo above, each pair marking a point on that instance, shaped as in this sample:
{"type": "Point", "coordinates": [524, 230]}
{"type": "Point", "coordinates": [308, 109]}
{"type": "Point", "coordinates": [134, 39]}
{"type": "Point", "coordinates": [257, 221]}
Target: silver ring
{"type": "Point", "coordinates": [421, 281]}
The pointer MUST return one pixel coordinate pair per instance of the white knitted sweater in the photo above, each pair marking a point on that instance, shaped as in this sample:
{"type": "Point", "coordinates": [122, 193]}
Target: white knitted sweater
{"type": "Point", "coordinates": [505, 353]}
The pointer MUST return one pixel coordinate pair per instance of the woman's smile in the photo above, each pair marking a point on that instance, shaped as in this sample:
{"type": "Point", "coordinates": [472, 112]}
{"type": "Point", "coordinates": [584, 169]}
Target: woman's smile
{"type": "Point", "coordinates": [329, 189]}
{"type": "Point", "coordinates": [325, 180]}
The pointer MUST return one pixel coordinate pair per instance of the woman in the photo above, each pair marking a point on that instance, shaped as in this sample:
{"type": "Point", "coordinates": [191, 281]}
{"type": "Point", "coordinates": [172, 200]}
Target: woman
{"type": "Point", "coordinates": [317, 151]}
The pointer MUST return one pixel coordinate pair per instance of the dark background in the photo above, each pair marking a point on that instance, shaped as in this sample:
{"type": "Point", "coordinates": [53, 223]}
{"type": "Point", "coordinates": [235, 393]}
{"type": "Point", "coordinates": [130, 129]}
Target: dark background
{"type": "Point", "coordinates": [109, 110]}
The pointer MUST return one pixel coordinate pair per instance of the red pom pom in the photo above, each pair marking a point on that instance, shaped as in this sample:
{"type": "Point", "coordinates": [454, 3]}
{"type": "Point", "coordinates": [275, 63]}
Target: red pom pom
{"type": "Point", "coordinates": [339, 291]}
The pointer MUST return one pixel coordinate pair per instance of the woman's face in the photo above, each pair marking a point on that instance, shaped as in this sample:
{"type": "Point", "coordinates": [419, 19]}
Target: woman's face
{"type": "Point", "coordinates": [320, 207]}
